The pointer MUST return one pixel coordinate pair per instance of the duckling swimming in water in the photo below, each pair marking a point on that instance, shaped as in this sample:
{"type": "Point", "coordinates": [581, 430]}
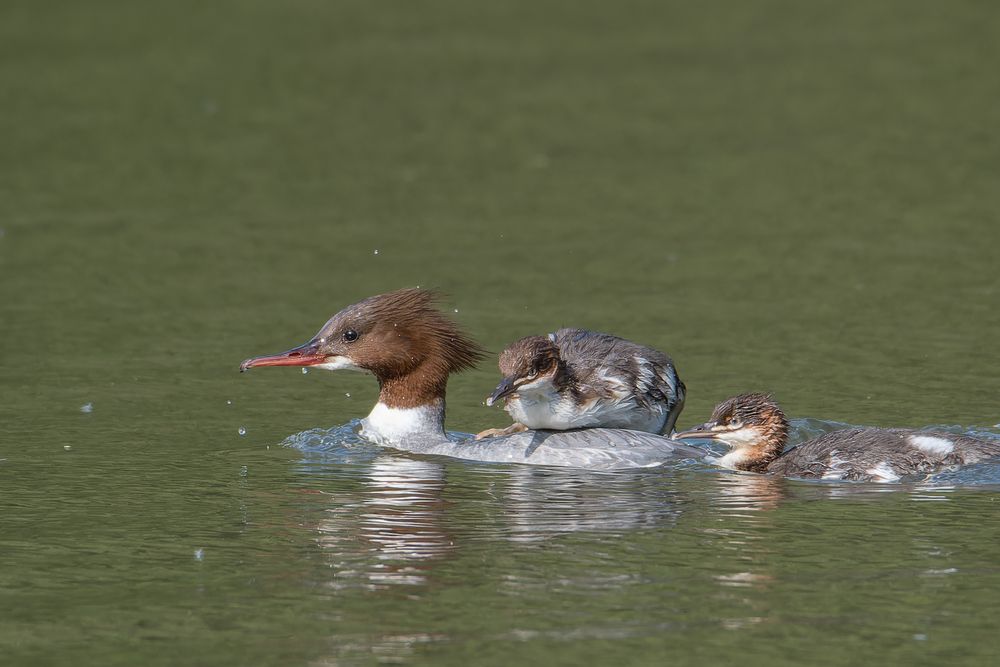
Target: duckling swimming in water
{"type": "Point", "coordinates": [756, 429]}
{"type": "Point", "coordinates": [575, 378]}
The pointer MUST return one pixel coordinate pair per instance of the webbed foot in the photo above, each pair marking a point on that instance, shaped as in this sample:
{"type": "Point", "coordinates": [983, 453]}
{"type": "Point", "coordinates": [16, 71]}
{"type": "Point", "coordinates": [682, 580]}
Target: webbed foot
{"type": "Point", "coordinates": [516, 427]}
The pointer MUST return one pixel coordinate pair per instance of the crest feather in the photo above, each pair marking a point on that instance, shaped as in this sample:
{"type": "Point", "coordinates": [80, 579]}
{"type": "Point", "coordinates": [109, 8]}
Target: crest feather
{"type": "Point", "coordinates": [415, 306]}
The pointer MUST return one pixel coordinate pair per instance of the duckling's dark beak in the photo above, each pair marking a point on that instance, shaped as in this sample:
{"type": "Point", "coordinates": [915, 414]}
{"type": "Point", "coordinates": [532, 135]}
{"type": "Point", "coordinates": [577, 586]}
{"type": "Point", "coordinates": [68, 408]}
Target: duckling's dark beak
{"type": "Point", "coordinates": [700, 432]}
{"type": "Point", "coordinates": [503, 390]}
{"type": "Point", "coordinates": [303, 355]}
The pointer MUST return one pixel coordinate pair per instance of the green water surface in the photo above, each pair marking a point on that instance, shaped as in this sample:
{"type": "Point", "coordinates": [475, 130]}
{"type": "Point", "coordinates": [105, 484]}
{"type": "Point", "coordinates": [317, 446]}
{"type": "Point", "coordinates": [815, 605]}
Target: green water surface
{"type": "Point", "coordinates": [798, 197]}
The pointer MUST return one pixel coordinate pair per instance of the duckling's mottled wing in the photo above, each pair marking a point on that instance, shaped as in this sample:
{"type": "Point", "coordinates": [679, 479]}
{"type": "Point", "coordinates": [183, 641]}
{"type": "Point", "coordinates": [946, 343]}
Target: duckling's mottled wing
{"type": "Point", "coordinates": [876, 454]}
{"type": "Point", "coordinates": [648, 374]}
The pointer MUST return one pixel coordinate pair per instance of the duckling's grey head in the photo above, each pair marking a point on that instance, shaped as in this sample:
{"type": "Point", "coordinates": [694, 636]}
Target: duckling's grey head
{"type": "Point", "coordinates": [526, 364]}
{"type": "Point", "coordinates": [742, 421]}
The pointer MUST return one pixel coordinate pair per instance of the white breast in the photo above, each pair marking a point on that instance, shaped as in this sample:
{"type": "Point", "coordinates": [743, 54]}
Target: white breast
{"type": "Point", "coordinates": [389, 426]}
{"type": "Point", "coordinates": [732, 459]}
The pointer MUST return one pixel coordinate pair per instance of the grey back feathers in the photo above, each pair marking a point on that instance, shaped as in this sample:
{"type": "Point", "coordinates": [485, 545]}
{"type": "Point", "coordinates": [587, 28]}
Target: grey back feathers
{"type": "Point", "coordinates": [591, 448]}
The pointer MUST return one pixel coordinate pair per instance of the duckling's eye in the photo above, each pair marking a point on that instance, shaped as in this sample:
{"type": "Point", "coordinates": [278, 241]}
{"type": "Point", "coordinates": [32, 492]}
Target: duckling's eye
{"type": "Point", "coordinates": [350, 335]}
{"type": "Point", "coordinates": [735, 423]}
{"type": "Point", "coordinates": [532, 373]}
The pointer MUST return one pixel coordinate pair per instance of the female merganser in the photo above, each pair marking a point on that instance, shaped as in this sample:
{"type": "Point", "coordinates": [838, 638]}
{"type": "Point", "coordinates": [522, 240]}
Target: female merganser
{"type": "Point", "coordinates": [578, 379]}
{"type": "Point", "coordinates": [756, 429]}
{"type": "Point", "coordinates": [412, 348]}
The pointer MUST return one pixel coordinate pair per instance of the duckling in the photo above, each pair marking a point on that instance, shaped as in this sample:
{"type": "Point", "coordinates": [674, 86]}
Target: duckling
{"type": "Point", "coordinates": [575, 378]}
{"type": "Point", "coordinates": [756, 429]}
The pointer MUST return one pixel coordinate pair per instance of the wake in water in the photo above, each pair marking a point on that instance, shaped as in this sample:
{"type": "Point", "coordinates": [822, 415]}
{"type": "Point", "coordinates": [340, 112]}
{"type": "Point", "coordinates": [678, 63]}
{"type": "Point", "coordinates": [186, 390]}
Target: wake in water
{"type": "Point", "coordinates": [344, 445]}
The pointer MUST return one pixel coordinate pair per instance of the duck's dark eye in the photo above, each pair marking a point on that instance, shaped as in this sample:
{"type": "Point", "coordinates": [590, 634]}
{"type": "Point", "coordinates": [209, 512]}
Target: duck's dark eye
{"type": "Point", "coordinates": [350, 335]}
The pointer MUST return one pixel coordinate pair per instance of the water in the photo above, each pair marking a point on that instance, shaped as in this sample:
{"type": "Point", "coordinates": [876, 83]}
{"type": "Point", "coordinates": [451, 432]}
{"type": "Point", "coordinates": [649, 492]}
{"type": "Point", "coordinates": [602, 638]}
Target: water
{"type": "Point", "coordinates": [785, 197]}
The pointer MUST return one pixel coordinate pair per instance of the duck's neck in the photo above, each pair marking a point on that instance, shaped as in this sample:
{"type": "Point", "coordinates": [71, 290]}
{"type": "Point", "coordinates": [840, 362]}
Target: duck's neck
{"type": "Point", "coordinates": [754, 457]}
{"type": "Point", "coordinates": [410, 405]}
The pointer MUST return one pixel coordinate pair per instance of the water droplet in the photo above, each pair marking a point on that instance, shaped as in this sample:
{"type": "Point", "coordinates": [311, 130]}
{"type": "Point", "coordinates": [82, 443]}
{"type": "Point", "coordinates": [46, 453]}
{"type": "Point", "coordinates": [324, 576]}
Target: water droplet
{"type": "Point", "coordinates": [305, 371]}
{"type": "Point", "coordinates": [243, 430]}
{"type": "Point", "coordinates": [229, 402]}
{"type": "Point", "coordinates": [67, 447]}
{"type": "Point", "coordinates": [920, 637]}
{"type": "Point", "coordinates": [243, 471]}
{"type": "Point", "coordinates": [456, 310]}
{"type": "Point", "coordinates": [199, 554]}
{"type": "Point", "coordinates": [87, 407]}
{"type": "Point", "coordinates": [348, 394]}
{"type": "Point", "coordinates": [376, 251]}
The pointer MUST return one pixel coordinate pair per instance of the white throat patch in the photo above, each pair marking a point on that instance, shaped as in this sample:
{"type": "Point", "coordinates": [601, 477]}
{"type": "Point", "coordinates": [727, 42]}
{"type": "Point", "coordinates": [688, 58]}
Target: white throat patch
{"type": "Point", "coordinates": [387, 426]}
{"type": "Point", "coordinates": [339, 363]}
{"type": "Point", "coordinates": [746, 436]}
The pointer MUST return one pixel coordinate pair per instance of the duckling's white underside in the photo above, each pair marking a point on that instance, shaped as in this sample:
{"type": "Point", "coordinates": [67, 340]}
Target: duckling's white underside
{"type": "Point", "coordinates": [732, 460]}
{"type": "Point", "coordinates": [540, 406]}
{"type": "Point", "coordinates": [420, 430]}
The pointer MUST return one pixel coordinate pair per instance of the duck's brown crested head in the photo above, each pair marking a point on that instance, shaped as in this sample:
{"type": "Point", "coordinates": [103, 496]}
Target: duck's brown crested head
{"type": "Point", "coordinates": [393, 334]}
{"type": "Point", "coordinates": [396, 335]}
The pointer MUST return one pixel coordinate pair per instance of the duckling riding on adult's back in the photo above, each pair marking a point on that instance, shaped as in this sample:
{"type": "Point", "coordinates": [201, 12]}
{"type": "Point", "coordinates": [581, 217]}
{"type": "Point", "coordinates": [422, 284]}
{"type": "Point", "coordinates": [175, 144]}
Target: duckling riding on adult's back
{"type": "Point", "coordinates": [575, 378]}
{"type": "Point", "coordinates": [412, 348]}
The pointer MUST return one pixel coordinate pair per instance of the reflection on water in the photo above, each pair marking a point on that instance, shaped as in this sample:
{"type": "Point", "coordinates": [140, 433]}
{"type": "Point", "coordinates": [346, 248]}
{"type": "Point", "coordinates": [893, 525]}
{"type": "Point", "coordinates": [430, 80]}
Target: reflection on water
{"type": "Point", "coordinates": [387, 531]}
{"type": "Point", "coordinates": [401, 508]}
{"type": "Point", "coordinates": [401, 515]}
{"type": "Point", "coordinates": [391, 529]}
{"type": "Point", "coordinates": [737, 493]}
{"type": "Point", "coordinates": [738, 524]}
{"type": "Point", "coordinates": [539, 503]}
{"type": "Point", "coordinates": [673, 550]}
